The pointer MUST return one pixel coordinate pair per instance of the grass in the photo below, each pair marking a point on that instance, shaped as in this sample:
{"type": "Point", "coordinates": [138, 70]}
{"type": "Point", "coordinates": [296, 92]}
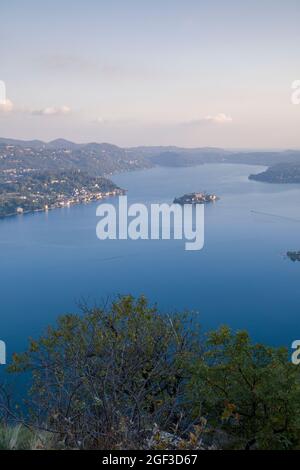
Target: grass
{"type": "Point", "coordinates": [21, 438]}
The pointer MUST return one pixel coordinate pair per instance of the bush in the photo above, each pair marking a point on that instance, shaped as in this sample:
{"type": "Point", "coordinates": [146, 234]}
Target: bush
{"type": "Point", "coordinates": [129, 377]}
{"type": "Point", "coordinates": [103, 379]}
{"type": "Point", "coordinates": [251, 392]}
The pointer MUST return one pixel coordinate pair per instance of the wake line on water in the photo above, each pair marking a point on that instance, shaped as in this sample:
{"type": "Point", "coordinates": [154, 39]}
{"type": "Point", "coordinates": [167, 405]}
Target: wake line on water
{"type": "Point", "coordinates": [276, 215]}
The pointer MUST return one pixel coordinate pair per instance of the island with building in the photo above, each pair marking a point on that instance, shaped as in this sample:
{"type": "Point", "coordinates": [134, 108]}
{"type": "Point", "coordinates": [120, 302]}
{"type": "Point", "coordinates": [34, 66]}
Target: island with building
{"type": "Point", "coordinates": [196, 198]}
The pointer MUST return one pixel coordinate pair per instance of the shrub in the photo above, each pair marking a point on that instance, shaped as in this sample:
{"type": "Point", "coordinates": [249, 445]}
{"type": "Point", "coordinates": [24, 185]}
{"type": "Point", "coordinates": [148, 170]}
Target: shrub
{"type": "Point", "coordinates": [129, 377]}
{"type": "Point", "coordinates": [250, 391]}
{"type": "Point", "coordinates": [103, 379]}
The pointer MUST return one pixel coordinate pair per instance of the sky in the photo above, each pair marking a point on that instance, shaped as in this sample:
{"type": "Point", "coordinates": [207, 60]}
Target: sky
{"type": "Point", "coordinates": [162, 72]}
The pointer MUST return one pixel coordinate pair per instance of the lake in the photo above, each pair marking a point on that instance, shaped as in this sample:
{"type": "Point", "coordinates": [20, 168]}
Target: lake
{"type": "Point", "coordinates": [52, 261]}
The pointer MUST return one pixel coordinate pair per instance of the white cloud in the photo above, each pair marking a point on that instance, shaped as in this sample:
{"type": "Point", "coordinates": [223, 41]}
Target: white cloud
{"type": "Point", "coordinates": [6, 106]}
{"type": "Point", "coordinates": [53, 111]}
{"type": "Point", "coordinates": [220, 118]}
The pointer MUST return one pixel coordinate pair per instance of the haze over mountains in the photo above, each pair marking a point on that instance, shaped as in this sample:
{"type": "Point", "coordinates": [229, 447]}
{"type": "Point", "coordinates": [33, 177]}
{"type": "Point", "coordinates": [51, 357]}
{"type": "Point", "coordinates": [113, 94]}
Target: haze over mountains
{"type": "Point", "coordinates": [105, 159]}
{"type": "Point", "coordinates": [35, 175]}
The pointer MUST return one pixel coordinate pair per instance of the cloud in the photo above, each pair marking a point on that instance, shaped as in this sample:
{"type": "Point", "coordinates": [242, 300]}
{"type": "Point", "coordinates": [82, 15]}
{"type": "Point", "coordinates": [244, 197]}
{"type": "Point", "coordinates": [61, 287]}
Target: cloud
{"type": "Point", "coordinates": [220, 118]}
{"type": "Point", "coordinates": [52, 111]}
{"type": "Point", "coordinates": [6, 106]}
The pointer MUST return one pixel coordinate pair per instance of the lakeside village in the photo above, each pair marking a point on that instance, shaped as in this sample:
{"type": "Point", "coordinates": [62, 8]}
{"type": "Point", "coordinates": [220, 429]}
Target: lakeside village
{"type": "Point", "coordinates": [84, 196]}
{"type": "Point", "coordinates": [80, 197]}
{"type": "Point", "coordinates": [25, 192]}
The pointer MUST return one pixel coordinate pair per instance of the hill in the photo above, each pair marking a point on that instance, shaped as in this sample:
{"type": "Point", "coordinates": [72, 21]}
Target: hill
{"type": "Point", "coordinates": [62, 155]}
{"type": "Point", "coordinates": [281, 173]}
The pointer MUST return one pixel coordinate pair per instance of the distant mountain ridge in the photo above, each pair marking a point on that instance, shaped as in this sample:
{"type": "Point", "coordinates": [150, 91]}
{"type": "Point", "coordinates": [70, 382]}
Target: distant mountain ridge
{"type": "Point", "coordinates": [63, 155]}
{"type": "Point", "coordinates": [105, 159]}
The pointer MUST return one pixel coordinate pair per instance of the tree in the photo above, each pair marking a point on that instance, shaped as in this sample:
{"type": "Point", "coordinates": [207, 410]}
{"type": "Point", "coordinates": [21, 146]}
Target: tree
{"type": "Point", "coordinates": [129, 377]}
{"type": "Point", "coordinates": [250, 391]}
{"type": "Point", "coordinates": [105, 378]}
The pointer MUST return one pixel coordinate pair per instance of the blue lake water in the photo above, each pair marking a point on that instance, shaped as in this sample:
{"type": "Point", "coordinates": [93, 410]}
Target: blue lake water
{"type": "Point", "coordinates": [51, 261]}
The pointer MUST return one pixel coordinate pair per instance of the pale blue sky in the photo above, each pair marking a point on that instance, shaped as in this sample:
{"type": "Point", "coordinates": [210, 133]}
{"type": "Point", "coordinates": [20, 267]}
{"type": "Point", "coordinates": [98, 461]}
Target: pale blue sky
{"type": "Point", "coordinates": [188, 72]}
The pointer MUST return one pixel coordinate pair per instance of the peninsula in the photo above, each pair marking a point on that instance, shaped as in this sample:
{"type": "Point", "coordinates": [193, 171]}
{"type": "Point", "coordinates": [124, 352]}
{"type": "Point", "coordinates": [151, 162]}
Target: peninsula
{"type": "Point", "coordinates": [282, 173]}
{"type": "Point", "coordinates": [25, 192]}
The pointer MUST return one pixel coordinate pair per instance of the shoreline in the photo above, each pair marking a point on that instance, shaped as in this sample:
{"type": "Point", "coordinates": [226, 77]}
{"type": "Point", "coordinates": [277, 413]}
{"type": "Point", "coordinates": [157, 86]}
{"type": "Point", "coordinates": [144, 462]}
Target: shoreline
{"type": "Point", "coordinates": [115, 193]}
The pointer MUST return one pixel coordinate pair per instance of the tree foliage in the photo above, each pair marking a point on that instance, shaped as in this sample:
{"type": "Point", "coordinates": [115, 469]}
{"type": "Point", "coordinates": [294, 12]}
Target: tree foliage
{"type": "Point", "coordinates": [105, 378]}
{"type": "Point", "coordinates": [126, 375]}
{"type": "Point", "coordinates": [248, 390]}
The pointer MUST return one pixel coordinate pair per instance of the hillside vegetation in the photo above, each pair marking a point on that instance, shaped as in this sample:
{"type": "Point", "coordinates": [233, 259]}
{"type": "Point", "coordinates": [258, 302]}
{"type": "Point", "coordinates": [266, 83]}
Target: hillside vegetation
{"type": "Point", "coordinates": [130, 377]}
{"type": "Point", "coordinates": [282, 173]}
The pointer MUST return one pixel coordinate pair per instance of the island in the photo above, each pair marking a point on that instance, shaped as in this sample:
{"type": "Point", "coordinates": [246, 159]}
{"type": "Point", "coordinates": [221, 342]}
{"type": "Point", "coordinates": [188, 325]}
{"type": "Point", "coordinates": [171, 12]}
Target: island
{"type": "Point", "coordinates": [293, 255]}
{"type": "Point", "coordinates": [196, 198]}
